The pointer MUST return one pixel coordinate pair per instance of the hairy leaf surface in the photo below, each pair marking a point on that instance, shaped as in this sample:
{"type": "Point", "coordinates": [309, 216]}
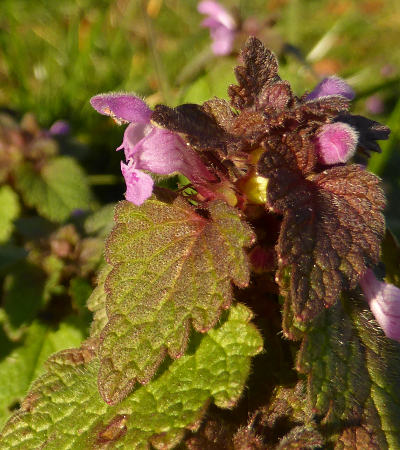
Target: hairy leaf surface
{"type": "Point", "coordinates": [97, 303]}
{"type": "Point", "coordinates": [25, 362]}
{"type": "Point", "coordinates": [353, 372]}
{"type": "Point", "coordinates": [260, 70]}
{"type": "Point", "coordinates": [56, 190]}
{"type": "Point", "coordinates": [64, 409]}
{"type": "Point", "coordinates": [171, 268]}
{"type": "Point", "coordinates": [332, 225]}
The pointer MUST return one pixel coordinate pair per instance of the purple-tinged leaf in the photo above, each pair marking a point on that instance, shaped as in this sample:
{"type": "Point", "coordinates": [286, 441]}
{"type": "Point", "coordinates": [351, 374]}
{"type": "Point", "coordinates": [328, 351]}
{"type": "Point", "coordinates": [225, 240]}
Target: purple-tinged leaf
{"type": "Point", "coordinates": [353, 372]}
{"type": "Point", "coordinates": [259, 72]}
{"type": "Point", "coordinates": [332, 226]}
{"type": "Point", "coordinates": [172, 269]}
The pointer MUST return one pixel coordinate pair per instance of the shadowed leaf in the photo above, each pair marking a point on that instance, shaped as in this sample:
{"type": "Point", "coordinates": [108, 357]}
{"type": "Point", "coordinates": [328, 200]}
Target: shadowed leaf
{"type": "Point", "coordinates": [25, 362]}
{"type": "Point", "coordinates": [56, 190]}
{"type": "Point", "coordinates": [171, 268]}
{"type": "Point", "coordinates": [332, 225]}
{"type": "Point", "coordinates": [64, 408]}
{"type": "Point", "coordinates": [353, 372]}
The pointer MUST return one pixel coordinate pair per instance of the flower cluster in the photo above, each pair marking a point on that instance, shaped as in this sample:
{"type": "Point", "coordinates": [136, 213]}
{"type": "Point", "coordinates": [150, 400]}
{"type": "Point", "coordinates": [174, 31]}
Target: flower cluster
{"type": "Point", "coordinates": [148, 147]}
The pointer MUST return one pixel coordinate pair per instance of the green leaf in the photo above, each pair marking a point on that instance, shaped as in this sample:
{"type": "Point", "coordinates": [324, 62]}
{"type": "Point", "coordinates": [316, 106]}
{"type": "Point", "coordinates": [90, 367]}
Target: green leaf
{"type": "Point", "coordinates": [25, 362]}
{"type": "Point", "coordinates": [171, 268]}
{"type": "Point", "coordinates": [80, 290]}
{"type": "Point", "coordinates": [57, 189]}
{"type": "Point", "coordinates": [353, 371]}
{"type": "Point", "coordinates": [10, 255]}
{"type": "Point", "coordinates": [101, 221]}
{"type": "Point", "coordinates": [24, 295]}
{"type": "Point", "coordinates": [9, 211]}
{"type": "Point", "coordinates": [97, 303]}
{"type": "Point", "coordinates": [65, 410]}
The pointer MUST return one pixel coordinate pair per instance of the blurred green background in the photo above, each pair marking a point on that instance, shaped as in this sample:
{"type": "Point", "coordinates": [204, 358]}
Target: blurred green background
{"type": "Point", "coordinates": [55, 55]}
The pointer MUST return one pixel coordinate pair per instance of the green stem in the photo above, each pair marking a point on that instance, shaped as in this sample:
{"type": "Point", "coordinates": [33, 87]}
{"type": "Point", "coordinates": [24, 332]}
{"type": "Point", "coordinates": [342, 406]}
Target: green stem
{"type": "Point", "coordinates": [157, 63]}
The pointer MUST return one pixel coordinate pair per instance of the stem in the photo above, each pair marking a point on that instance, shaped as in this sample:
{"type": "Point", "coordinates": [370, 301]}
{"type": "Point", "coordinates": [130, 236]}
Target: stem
{"type": "Point", "coordinates": [157, 63]}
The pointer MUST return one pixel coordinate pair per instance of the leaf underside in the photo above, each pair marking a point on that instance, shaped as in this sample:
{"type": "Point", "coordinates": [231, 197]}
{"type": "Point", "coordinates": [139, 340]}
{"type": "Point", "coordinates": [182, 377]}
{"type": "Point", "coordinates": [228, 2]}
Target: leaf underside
{"type": "Point", "coordinates": [64, 408]}
{"type": "Point", "coordinates": [171, 268]}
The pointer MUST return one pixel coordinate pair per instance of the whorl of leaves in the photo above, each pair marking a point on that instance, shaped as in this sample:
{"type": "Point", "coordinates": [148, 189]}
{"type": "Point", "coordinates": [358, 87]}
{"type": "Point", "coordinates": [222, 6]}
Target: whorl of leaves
{"type": "Point", "coordinates": [332, 222]}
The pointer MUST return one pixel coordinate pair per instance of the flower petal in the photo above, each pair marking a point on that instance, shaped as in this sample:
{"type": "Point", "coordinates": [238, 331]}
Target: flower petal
{"type": "Point", "coordinates": [331, 86]}
{"type": "Point", "coordinates": [222, 40]}
{"type": "Point", "coordinates": [134, 133]}
{"type": "Point", "coordinates": [384, 301]}
{"type": "Point", "coordinates": [122, 106]}
{"type": "Point", "coordinates": [218, 12]}
{"type": "Point", "coordinates": [336, 143]}
{"type": "Point", "coordinates": [164, 152]}
{"type": "Point", "coordinates": [139, 185]}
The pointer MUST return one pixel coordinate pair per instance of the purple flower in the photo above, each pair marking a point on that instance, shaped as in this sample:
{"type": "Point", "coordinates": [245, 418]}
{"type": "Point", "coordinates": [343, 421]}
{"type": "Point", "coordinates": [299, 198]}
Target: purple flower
{"type": "Point", "coordinates": [384, 302]}
{"type": "Point", "coordinates": [221, 24]}
{"type": "Point", "coordinates": [374, 104]}
{"type": "Point", "coordinates": [59, 128]}
{"type": "Point", "coordinates": [331, 86]}
{"type": "Point", "coordinates": [336, 143]}
{"type": "Point", "coordinates": [148, 147]}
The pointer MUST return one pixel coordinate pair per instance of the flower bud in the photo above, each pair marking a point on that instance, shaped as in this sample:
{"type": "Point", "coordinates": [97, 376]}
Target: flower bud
{"type": "Point", "coordinates": [384, 302]}
{"type": "Point", "coordinates": [336, 143]}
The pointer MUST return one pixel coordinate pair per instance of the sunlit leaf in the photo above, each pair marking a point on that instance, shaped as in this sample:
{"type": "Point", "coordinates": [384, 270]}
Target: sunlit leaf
{"type": "Point", "coordinates": [172, 268]}
{"type": "Point", "coordinates": [64, 408]}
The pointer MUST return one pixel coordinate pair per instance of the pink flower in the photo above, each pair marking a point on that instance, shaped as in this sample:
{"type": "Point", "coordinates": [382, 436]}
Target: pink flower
{"type": "Point", "coordinates": [60, 127]}
{"type": "Point", "coordinates": [374, 104]}
{"type": "Point", "coordinates": [331, 86]}
{"type": "Point", "coordinates": [384, 302]}
{"type": "Point", "coordinates": [221, 24]}
{"type": "Point", "coordinates": [148, 147]}
{"type": "Point", "coordinates": [336, 143]}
